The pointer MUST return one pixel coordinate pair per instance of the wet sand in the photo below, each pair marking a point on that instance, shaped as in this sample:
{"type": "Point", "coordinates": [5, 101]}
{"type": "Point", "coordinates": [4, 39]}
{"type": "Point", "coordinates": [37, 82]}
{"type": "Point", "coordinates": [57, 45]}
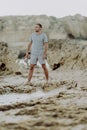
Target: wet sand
{"type": "Point", "coordinates": [61, 105]}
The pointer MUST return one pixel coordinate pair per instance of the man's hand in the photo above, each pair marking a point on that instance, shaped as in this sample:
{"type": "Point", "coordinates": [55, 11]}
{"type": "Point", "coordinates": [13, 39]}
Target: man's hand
{"type": "Point", "coordinates": [27, 52]}
{"type": "Point", "coordinates": [27, 55]}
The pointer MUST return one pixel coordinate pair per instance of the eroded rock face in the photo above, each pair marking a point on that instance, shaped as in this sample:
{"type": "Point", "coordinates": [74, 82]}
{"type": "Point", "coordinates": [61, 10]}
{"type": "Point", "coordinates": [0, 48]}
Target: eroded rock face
{"type": "Point", "coordinates": [7, 59]}
{"type": "Point", "coordinates": [18, 28]}
{"type": "Point", "coordinates": [2, 67]}
{"type": "Point", "coordinates": [3, 55]}
{"type": "Point", "coordinates": [67, 54]}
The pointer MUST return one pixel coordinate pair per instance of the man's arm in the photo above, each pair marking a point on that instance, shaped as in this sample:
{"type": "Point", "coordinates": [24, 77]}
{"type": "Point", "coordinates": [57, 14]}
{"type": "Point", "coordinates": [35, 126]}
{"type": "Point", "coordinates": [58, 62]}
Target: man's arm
{"type": "Point", "coordinates": [28, 49]}
{"type": "Point", "coordinates": [45, 50]}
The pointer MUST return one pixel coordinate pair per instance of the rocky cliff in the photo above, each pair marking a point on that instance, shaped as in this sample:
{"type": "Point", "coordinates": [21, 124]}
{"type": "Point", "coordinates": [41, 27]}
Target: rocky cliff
{"type": "Point", "coordinates": [18, 28]}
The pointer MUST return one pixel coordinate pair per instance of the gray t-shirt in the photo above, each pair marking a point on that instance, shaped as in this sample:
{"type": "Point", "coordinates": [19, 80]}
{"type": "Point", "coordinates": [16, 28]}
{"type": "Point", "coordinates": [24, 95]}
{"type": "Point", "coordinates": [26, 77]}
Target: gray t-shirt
{"type": "Point", "coordinates": [38, 41]}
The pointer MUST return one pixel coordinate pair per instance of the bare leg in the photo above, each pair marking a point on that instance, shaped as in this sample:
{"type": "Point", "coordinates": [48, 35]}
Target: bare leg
{"type": "Point", "coordinates": [30, 74]}
{"type": "Point", "coordinates": [31, 70]}
{"type": "Point", "coordinates": [45, 72]}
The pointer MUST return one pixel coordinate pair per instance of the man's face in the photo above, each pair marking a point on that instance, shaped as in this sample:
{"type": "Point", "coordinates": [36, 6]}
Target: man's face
{"type": "Point", "coordinates": [37, 28]}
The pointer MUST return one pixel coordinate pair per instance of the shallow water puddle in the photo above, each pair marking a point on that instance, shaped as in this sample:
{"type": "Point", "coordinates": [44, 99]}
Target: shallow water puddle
{"type": "Point", "coordinates": [7, 99]}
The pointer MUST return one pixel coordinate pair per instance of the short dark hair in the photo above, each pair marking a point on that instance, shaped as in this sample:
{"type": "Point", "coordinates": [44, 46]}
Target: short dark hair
{"type": "Point", "coordinates": [40, 25]}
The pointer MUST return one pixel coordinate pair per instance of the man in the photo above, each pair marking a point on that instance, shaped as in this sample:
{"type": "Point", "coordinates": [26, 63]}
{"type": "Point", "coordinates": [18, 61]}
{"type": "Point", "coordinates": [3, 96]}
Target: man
{"type": "Point", "coordinates": [38, 44]}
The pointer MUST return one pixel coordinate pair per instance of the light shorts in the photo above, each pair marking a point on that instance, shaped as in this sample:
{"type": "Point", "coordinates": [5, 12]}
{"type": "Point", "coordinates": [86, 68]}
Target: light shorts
{"type": "Point", "coordinates": [35, 58]}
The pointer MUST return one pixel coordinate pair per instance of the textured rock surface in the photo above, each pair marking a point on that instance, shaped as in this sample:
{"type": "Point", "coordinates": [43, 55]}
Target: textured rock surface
{"type": "Point", "coordinates": [7, 59]}
{"type": "Point", "coordinates": [70, 54]}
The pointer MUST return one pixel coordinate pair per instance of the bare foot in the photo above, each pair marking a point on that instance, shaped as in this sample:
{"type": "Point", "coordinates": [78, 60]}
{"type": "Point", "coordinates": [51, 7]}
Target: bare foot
{"type": "Point", "coordinates": [28, 83]}
{"type": "Point", "coordinates": [46, 83]}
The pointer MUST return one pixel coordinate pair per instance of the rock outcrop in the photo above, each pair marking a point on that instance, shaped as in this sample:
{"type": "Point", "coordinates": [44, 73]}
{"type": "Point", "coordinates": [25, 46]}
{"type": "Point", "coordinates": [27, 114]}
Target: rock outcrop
{"type": "Point", "coordinates": [7, 59]}
{"type": "Point", "coordinates": [68, 54]}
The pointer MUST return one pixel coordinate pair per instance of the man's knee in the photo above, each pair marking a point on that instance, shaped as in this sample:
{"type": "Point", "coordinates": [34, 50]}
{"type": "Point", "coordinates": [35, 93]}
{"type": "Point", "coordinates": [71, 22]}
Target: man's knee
{"type": "Point", "coordinates": [32, 67]}
{"type": "Point", "coordinates": [44, 66]}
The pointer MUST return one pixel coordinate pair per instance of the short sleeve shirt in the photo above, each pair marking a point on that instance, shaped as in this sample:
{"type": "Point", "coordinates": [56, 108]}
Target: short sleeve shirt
{"type": "Point", "coordinates": [38, 41]}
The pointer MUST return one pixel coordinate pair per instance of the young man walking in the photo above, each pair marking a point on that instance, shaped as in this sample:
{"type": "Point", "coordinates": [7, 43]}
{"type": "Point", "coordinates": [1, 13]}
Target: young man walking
{"type": "Point", "coordinates": [38, 44]}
